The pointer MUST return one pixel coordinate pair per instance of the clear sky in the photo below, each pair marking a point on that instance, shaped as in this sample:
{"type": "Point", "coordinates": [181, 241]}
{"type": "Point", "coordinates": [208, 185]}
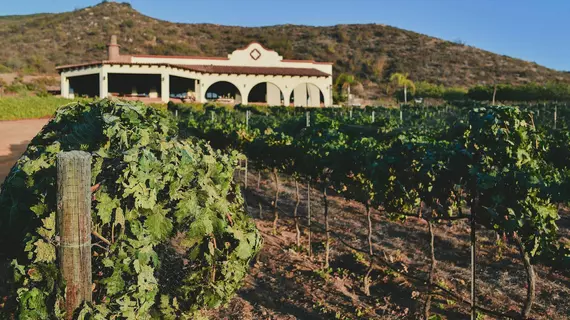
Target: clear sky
{"type": "Point", "coordinates": [536, 30]}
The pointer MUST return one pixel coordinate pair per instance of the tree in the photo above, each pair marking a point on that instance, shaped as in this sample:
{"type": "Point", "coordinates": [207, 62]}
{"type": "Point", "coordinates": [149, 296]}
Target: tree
{"type": "Point", "coordinates": [343, 82]}
{"type": "Point", "coordinates": [401, 80]}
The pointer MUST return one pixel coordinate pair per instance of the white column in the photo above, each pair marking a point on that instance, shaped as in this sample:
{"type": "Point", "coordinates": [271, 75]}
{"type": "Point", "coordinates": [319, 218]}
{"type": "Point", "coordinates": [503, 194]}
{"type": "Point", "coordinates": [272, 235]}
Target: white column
{"type": "Point", "coordinates": [64, 83]}
{"type": "Point", "coordinates": [165, 87]}
{"type": "Point", "coordinates": [203, 88]}
{"type": "Point", "coordinates": [273, 95]}
{"type": "Point", "coordinates": [314, 95]}
{"type": "Point", "coordinates": [198, 91]}
{"type": "Point", "coordinates": [300, 95]}
{"type": "Point", "coordinates": [241, 98]}
{"type": "Point", "coordinates": [103, 83]}
{"type": "Point", "coordinates": [243, 93]}
{"type": "Point", "coordinates": [286, 94]}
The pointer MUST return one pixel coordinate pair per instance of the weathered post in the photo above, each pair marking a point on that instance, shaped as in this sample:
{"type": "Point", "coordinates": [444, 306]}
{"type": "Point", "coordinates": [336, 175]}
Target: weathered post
{"type": "Point", "coordinates": [245, 175]}
{"type": "Point", "coordinates": [308, 119]}
{"type": "Point", "coordinates": [247, 119]}
{"type": "Point", "coordinates": [555, 114]}
{"type": "Point", "coordinates": [373, 116]}
{"type": "Point", "coordinates": [74, 226]}
{"type": "Point", "coordinates": [309, 216]}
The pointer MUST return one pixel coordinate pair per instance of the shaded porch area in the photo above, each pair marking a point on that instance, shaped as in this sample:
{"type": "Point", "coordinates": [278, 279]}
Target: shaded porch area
{"type": "Point", "coordinates": [135, 86]}
{"type": "Point", "coordinates": [84, 86]}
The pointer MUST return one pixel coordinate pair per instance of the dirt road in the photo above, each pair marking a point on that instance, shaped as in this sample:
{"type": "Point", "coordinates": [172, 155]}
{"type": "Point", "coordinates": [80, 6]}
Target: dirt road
{"type": "Point", "coordinates": [14, 138]}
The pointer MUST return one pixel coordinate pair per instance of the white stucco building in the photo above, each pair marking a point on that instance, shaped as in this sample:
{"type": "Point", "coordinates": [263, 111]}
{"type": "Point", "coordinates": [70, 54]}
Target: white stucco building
{"type": "Point", "coordinates": [253, 74]}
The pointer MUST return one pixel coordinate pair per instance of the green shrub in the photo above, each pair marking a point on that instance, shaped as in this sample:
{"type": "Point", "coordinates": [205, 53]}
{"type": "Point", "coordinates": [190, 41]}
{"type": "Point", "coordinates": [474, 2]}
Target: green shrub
{"type": "Point", "coordinates": [454, 93]}
{"type": "Point", "coordinates": [180, 239]}
{"type": "Point", "coordinates": [551, 91]}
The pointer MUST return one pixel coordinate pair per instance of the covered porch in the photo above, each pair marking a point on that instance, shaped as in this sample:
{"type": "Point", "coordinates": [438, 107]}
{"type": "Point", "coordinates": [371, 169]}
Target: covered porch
{"type": "Point", "coordinates": [155, 83]}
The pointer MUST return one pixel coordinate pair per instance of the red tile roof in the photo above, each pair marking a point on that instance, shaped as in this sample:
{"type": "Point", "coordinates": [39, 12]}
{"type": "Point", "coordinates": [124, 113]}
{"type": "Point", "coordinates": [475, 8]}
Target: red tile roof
{"type": "Point", "coordinates": [270, 71]}
{"type": "Point", "coordinates": [274, 71]}
{"type": "Point", "coordinates": [178, 57]}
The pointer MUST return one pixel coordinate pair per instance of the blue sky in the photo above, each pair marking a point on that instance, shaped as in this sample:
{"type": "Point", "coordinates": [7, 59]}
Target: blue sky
{"type": "Point", "coordinates": [537, 30]}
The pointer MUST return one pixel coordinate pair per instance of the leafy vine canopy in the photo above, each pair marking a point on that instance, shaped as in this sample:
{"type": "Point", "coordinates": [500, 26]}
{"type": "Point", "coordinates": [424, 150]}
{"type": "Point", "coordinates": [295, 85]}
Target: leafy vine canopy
{"type": "Point", "coordinates": [180, 240]}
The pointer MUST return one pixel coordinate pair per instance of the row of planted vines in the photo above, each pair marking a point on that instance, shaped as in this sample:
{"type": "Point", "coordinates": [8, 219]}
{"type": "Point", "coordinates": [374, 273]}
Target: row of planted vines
{"type": "Point", "coordinates": [496, 167]}
{"type": "Point", "coordinates": [170, 233]}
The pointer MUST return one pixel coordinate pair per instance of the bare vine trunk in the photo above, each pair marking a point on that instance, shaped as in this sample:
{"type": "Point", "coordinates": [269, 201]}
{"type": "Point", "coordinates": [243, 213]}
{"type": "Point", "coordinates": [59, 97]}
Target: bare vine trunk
{"type": "Point", "coordinates": [275, 208]}
{"type": "Point", "coordinates": [370, 251]}
{"type": "Point", "coordinates": [309, 216]}
{"type": "Point", "coordinates": [258, 188]}
{"type": "Point", "coordinates": [295, 217]}
{"type": "Point", "coordinates": [327, 235]}
{"type": "Point", "coordinates": [473, 237]}
{"type": "Point", "coordinates": [530, 279]}
{"type": "Point", "coordinates": [431, 271]}
{"type": "Point", "coordinates": [245, 175]}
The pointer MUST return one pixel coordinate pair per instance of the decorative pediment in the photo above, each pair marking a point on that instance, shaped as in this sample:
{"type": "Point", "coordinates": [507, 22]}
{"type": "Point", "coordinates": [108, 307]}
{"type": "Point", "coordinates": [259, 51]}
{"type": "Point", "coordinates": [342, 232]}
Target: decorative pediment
{"type": "Point", "coordinates": [255, 54]}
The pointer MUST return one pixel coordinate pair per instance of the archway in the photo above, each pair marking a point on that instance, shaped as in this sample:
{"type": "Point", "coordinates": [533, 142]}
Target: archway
{"type": "Point", "coordinates": [223, 91]}
{"type": "Point", "coordinates": [266, 93]}
{"type": "Point", "coordinates": [307, 95]}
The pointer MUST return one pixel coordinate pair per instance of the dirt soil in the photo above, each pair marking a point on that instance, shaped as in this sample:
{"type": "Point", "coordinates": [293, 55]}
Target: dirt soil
{"type": "Point", "coordinates": [14, 138]}
{"type": "Point", "coordinates": [284, 283]}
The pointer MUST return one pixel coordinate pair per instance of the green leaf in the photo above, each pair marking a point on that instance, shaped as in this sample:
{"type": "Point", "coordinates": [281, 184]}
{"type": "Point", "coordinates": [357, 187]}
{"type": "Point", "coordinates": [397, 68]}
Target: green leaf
{"type": "Point", "coordinates": [115, 283]}
{"type": "Point", "coordinates": [47, 230]}
{"type": "Point", "coordinates": [44, 251]}
{"type": "Point", "coordinates": [159, 226]}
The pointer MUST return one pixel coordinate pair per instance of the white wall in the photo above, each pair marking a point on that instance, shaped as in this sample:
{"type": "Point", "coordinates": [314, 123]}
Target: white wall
{"type": "Point", "coordinates": [243, 82]}
{"type": "Point", "coordinates": [240, 57]}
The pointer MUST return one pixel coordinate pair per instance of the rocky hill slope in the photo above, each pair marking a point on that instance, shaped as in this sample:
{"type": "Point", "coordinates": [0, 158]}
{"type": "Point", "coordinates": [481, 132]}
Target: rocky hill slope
{"type": "Point", "coordinates": [37, 43]}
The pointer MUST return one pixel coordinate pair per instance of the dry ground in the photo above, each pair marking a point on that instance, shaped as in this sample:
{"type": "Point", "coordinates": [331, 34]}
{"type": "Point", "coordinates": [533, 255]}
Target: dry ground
{"type": "Point", "coordinates": [284, 283]}
{"type": "Point", "coordinates": [14, 138]}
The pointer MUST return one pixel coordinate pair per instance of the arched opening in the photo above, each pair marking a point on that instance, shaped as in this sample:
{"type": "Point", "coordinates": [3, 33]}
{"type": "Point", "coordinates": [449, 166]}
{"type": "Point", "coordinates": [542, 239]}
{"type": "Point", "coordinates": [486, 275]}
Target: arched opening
{"type": "Point", "coordinates": [224, 92]}
{"type": "Point", "coordinates": [266, 93]}
{"type": "Point", "coordinates": [307, 95]}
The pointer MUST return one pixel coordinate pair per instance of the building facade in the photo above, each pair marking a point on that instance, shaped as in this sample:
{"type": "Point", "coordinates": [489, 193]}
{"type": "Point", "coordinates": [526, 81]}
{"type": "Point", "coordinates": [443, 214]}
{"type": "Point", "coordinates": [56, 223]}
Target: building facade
{"type": "Point", "coordinates": [251, 75]}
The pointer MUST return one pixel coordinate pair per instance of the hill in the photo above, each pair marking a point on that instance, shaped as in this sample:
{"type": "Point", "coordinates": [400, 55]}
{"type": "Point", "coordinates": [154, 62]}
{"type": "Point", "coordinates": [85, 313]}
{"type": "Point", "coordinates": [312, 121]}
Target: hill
{"type": "Point", "coordinates": [37, 43]}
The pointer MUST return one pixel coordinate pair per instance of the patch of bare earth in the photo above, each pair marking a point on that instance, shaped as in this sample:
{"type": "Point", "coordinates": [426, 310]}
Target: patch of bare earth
{"type": "Point", "coordinates": [284, 283]}
{"type": "Point", "coordinates": [14, 139]}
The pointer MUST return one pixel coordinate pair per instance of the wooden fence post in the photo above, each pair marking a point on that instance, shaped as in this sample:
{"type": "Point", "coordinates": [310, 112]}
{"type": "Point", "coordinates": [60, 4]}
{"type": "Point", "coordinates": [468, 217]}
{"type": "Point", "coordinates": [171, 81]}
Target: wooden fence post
{"type": "Point", "coordinates": [74, 226]}
{"type": "Point", "coordinates": [555, 115]}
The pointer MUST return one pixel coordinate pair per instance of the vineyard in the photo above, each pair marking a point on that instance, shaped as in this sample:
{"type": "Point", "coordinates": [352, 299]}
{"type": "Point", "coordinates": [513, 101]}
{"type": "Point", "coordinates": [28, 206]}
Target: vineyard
{"type": "Point", "coordinates": [493, 169]}
{"type": "Point", "coordinates": [418, 212]}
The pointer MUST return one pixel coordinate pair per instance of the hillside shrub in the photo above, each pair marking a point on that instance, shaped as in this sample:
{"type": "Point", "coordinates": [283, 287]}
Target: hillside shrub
{"type": "Point", "coordinates": [551, 91]}
{"type": "Point", "coordinates": [180, 239]}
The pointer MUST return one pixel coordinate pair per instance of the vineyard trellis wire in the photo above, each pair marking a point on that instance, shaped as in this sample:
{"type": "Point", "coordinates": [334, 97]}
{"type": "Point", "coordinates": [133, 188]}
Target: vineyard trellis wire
{"type": "Point", "coordinates": [448, 172]}
{"type": "Point", "coordinates": [170, 233]}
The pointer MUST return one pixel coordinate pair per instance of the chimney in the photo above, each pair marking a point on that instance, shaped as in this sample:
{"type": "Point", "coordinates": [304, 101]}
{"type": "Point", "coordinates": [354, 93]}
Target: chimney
{"type": "Point", "coordinates": [113, 49]}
